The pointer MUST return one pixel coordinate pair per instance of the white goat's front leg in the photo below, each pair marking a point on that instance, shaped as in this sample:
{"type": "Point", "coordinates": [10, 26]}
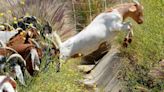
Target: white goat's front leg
{"type": "Point", "coordinates": [129, 36]}
{"type": "Point", "coordinates": [127, 26]}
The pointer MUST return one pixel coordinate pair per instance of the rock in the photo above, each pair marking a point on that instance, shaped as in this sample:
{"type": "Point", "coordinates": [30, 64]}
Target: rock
{"type": "Point", "coordinates": [85, 68]}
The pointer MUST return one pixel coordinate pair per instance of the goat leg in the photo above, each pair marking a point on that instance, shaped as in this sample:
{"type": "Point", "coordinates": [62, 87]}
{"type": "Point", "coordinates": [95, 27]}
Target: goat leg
{"type": "Point", "coordinates": [58, 65]}
{"type": "Point", "coordinates": [130, 36]}
{"type": "Point", "coordinates": [126, 40]}
{"type": "Point", "coordinates": [125, 44]}
{"type": "Point", "coordinates": [127, 26]}
{"type": "Point", "coordinates": [46, 65]}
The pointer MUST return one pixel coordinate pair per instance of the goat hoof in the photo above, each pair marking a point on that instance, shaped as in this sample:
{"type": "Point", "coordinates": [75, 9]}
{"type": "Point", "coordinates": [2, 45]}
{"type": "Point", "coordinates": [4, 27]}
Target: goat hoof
{"type": "Point", "coordinates": [125, 39]}
{"type": "Point", "coordinates": [125, 44]}
{"type": "Point", "coordinates": [58, 68]}
{"type": "Point", "coordinates": [57, 71]}
{"type": "Point", "coordinates": [130, 40]}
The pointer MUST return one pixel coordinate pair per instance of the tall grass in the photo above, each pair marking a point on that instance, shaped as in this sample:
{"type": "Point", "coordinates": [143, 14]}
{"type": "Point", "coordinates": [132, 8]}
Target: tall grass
{"type": "Point", "coordinates": [45, 10]}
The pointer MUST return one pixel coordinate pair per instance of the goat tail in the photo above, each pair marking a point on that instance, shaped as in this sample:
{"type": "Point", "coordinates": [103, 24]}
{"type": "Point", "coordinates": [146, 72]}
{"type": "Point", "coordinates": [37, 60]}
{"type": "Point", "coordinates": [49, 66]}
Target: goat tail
{"type": "Point", "coordinates": [57, 39]}
{"type": "Point", "coordinates": [17, 56]}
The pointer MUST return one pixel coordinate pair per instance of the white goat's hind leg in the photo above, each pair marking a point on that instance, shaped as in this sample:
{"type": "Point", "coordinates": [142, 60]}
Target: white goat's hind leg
{"type": "Point", "coordinates": [60, 62]}
{"type": "Point", "coordinates": [58, 66]}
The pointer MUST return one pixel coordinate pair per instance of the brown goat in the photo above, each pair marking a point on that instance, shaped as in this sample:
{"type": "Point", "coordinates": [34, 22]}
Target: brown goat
{"type": "Point", "coordinates": [22, 43]}
{"type": "Point", "coordinates": [25, 51]}
{"type": "Point", "coordinates": [10, 57]}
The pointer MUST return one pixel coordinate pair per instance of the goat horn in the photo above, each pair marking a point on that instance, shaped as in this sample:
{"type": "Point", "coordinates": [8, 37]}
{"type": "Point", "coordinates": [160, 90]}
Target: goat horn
{"type": "Point", "coordinates": [36, 44]}
{"type": "Point", "coordinates": [19, 29]}
{"type": "Point", "coordinates": [18, 56]}
{"type": "Point", "coordinates": [8, 48]}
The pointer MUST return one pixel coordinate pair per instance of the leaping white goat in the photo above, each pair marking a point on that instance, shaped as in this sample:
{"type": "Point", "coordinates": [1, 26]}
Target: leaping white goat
{"type": "Point", "coordinates": [102, 29]}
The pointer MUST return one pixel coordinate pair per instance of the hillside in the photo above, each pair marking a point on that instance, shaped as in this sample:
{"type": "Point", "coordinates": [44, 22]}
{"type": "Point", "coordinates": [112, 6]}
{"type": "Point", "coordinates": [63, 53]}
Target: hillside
{"type": "Point", "coordinates": [146, 50]}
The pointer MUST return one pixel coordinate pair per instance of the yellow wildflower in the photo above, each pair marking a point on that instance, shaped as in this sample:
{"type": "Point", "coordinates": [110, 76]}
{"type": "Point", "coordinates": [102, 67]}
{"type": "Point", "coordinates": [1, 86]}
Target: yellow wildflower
{"type": "Point", "coordinates": [22, 2]}
{"type": "Point", "coordinates": [15, 18]}
{"type": "Point", "coordinates": [1, 14]}
{"type": "Point", "coordinates": [31, 25]}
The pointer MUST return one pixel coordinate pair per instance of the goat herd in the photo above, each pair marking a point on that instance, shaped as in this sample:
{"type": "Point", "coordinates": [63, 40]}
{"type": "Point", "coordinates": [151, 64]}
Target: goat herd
{"type": "Point", "coordinates": [21, 49]}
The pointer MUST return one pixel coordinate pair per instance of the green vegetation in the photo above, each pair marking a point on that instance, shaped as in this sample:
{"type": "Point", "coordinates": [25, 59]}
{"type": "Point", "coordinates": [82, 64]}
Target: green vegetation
{"type": "Point", "coordinates": [50, 81]}
{"type": "Point", "coordinates": [145, 51]}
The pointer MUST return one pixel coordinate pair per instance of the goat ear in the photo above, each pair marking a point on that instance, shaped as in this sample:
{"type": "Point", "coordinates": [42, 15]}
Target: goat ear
{"type": "Point", "coordinates": [132, 9]}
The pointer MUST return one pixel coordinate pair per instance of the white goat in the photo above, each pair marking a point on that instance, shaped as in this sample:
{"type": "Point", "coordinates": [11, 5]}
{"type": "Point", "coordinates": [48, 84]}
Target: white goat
{"type": "Point", "coordinates": [102, 29]}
